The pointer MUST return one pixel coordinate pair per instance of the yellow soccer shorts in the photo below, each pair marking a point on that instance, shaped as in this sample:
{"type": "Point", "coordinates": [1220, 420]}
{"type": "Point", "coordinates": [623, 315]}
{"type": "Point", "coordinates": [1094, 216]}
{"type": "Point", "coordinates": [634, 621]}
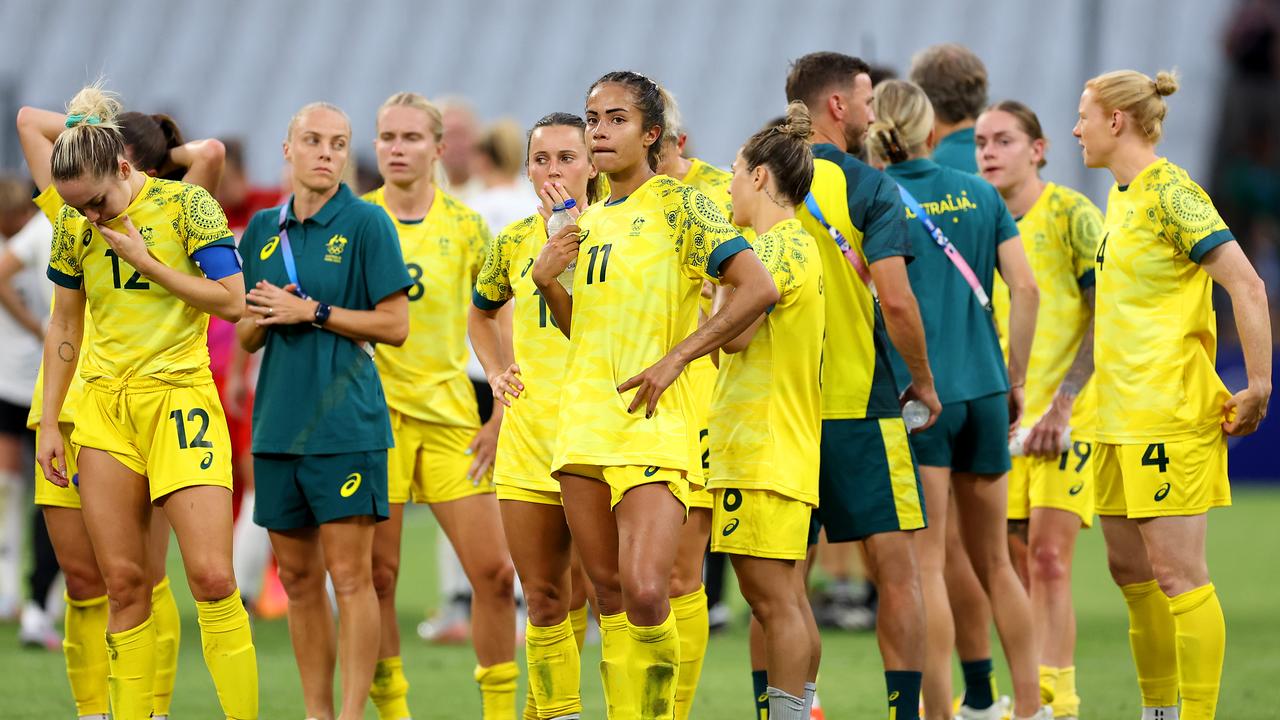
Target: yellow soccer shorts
{"type": "Point", "coordinates": [429, 463]}
{"type": "Point", "coordinates": [1063, 483]}
{"type": "Point", "coordinates": [174, 436]}
{"type": "Point", "coordinates": [1187, 477]}
{"type": "Point", "coordinates": [759, 523]}
{"type": "Point", "coordinates": [623, 478]}
{"type": "Point", "coordinates": [517, 493]}
{"type": "Point", "coordinates": [50, 495]}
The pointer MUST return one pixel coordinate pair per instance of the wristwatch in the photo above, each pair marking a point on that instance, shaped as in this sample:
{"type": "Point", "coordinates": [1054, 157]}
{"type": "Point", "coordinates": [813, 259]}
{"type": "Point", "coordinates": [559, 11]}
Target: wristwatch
{"type": "Point", "coordinates": [322, 314]}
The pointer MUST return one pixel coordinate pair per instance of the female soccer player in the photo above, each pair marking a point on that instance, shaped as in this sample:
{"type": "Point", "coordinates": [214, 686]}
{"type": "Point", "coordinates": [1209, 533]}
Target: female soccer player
{"type": "Point", "coordinates": [442, 456]}
{"type": "Point", "coordinates": [766, 418]}
{"type": "Point", "coordinates": [328, 280]}
{"type": "Point", "coordinates": [1051, 487]}
{"type": "Point", "coordinates": [149, 427]}
{"type": "Point", "coordinates": [85, 620]}
{"type": "Point", "coordinates": [966, 452]}
{"type": "Point", "coordinates": [526, 377]}
{"type": "Point", "coordinates": [623, 458]}
{"type": "Point", "coordinates": [1163, 413]}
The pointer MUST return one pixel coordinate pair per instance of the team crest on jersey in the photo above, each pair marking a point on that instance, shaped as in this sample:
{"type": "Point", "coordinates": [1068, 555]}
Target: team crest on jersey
{"type": "Point", "coordinates": [636, 226]}
{"type": "Point", "coordinates": [334, 249]}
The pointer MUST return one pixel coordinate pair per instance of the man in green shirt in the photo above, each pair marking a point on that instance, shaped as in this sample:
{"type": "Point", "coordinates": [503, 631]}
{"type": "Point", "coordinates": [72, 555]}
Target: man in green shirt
{"type": "Point", "coordinates": [956, 82]}
{"type": "Point", "coordinates": [327, 279]}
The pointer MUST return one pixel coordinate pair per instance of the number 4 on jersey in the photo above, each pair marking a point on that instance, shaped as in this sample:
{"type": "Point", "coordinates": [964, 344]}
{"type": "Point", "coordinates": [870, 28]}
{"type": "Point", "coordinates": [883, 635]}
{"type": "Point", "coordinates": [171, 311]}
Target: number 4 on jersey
{"type": "Point", "coordinates": [1102, 251]}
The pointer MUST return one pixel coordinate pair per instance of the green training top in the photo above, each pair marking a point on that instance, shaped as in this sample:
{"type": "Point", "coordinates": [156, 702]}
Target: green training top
{"type": "Point", "coordinates": [957, 151]}
{"type": "Point", "coordinates": [318, 392]}
{"type": "Point", "coordinates": [964, 350]}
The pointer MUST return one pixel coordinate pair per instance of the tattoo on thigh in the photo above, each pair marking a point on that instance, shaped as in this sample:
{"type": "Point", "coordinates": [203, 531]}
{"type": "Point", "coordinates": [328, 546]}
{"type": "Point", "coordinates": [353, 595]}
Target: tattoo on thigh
{"type": "Point", "coordinates": [67, 352]}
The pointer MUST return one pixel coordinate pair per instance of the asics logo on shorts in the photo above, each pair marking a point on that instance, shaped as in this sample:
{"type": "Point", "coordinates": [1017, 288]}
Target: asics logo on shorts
{"type": "Point", "coordinates": [651, 471]}
{"type": "Point", "coordinates": [350, 486]}
{"type": "Point", "coordinates": [730, 527]}
{"type": "Point", "coordinates": [269, 248]}
{"type": "Point", "coordinates": [1163, 492]}
{"type": "Point", "coordinates": [1075, 489]}
{"type": "Point", "coordinates": [206, 461]}
{"type": "Point", "coordinates": [893, 696]}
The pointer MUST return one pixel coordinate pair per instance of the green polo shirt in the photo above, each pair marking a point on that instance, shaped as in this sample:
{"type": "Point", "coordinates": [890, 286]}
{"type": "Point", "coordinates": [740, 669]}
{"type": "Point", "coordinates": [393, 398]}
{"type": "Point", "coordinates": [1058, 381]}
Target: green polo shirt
{"type": "Point", "coordinates": [318, 392]}
{"type": "Point", "coordinates": [964, 351]}
{"type": "Point", "coordinates": [863, 205]}
{"type": "Point", "coordinates": [958, 151]}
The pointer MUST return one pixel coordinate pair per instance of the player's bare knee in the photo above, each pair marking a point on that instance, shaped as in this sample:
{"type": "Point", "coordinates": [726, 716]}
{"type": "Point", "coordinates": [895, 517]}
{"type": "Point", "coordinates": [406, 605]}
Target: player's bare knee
{"type": "Point", "coordinates": [127, 586]}
{"type": "Point", "coordinates": [211, 583]}
{"type": "Point", "coordinates": [646, 599]}
{"type": "Point", "coordinates": [83, 580]}
{"type": "Point", "coordinates": [545, 601]}
{"type": "Point", "coordinates": [385, 576]}
{"type": "Point", "coordinates": [301, 582]}
{"type": "Point", "coordinates": [495, 580]}
{"type": "Point", "coordinates": [1048, 563]}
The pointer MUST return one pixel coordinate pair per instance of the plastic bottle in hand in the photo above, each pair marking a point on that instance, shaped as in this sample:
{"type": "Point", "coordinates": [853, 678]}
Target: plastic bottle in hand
{"type": "Point", "coordinates": [560, 218]}
{"type": "Point", "coordinates": [915, 414]}
{"type": "Point", "coordinates": [1017, 444]}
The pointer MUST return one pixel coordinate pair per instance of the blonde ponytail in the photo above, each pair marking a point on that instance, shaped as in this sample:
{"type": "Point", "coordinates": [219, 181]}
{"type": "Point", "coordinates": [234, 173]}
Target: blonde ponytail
{"type": "Point", "coordinates": [904, 119]}
{"type": "Point", "coordinates": [92, 143]}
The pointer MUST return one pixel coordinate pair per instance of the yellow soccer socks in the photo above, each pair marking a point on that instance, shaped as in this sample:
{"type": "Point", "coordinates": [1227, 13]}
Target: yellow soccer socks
{"type": "Point", "coordinates": [164, 611]}
{"type": "Point", "coordinates": [1048, 684]}
{"type": "Point", "coordinates": [694, 629]}
{"type": "Point", "coordinates": [229, 654]}
{"type": "Point", "coordinates": [1201, 633]}
{"type": "Point", "coordinates": [578, 618]}
{"type": "Point", "coordinates": [131, 662]}
{"type": "Point", "coordinates": [498, 690]}
{"type": "Point", "coordinates": [652, 666]}
{"type": "Point", "coordinates": [555, 669]}
{"type": "Point", "coordinates": [615, 653]}
{"type": "Point", "coordinates": [86, 654]}
{"type": "Point", "coordinates": [390, 689]}
{"type": "Point", "coordinates": [1151, 638]}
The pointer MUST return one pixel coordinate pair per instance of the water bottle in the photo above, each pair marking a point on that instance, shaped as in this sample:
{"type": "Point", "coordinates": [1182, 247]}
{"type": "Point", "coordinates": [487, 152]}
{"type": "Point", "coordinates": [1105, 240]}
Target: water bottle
{"type": "Point", "coordinates": [915, 414]}
{"type": "Point", "coordinates": [1017, 444]}
{"type": "Point", "coordinates": [560, 218]}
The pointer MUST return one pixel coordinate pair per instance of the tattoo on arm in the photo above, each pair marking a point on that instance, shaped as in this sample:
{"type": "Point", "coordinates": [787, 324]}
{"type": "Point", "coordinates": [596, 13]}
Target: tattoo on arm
{"type": "Point", "coordinates": [67, 352]}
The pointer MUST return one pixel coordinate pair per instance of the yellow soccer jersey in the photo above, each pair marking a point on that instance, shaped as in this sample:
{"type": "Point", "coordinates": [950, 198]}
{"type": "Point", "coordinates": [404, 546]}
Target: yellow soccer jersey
{"type": "Point", "coordinates": [140, 329]}
{"type": "Point", "coordinates": [1060, 234]}
{"type": "Point", "coordinates": [635, 296]}
{"type": "Point", "coordinates": [541, 350]}
{"type": "Point", "coordinates": [426, 378]}
{"type": "Point", "coordinates": [863, 205]}
{"type": "Point", "coordinates": [766, 414]}
{"type": "Point", "coordinates": [1156, 331]}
